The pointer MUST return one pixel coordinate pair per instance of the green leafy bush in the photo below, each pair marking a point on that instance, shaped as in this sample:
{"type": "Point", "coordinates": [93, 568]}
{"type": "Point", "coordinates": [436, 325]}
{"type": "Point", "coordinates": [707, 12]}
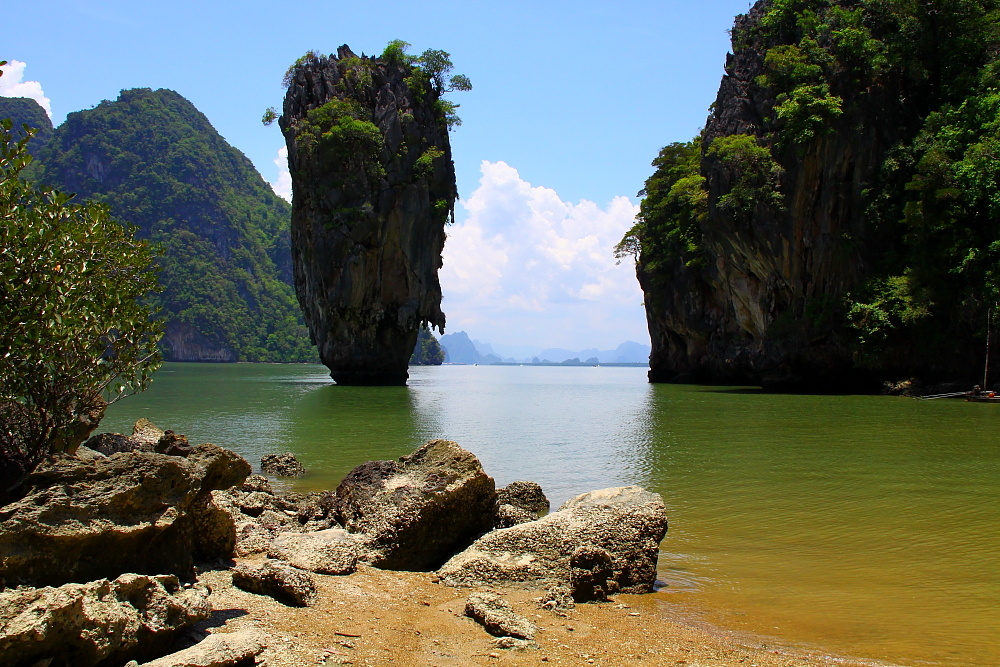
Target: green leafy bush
{"type": "Point", "coordinates": [670, 215]}
{"type": "Point", "coordinates": [757, 174]}
{"type": "Point", "coordinates": [77, 332]}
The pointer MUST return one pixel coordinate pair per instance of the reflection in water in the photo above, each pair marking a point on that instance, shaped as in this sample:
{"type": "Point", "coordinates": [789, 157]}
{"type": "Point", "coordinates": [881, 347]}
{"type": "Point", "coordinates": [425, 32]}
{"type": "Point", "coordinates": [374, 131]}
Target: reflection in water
{"type": "Point", "coordinates": [333, 429]}
{"type": "Point", "coordinates": [572, 430]}
{"type": "Point", "coordinates": [863, 524]}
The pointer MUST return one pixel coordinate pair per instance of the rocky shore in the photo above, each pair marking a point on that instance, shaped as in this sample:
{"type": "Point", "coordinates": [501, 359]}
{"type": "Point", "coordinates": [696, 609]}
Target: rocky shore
{"type": "Point", "coordinates": [125, 554]}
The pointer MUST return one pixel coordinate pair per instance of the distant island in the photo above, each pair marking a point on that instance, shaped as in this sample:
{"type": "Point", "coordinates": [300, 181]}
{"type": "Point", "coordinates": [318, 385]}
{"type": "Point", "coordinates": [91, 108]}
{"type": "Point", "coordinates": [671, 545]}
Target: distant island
{"type": "Point", "coordinates": [460, 349]}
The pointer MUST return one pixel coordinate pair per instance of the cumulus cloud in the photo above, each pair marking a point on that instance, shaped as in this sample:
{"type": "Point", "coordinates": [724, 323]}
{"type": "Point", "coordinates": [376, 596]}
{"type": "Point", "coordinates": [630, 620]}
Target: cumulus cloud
{"type": "Point", "coordinates": [526, 267]}
{"type": "Point", "coordinates": [283, 186]}
{"type": "Point", "coordinates": [11, 85]}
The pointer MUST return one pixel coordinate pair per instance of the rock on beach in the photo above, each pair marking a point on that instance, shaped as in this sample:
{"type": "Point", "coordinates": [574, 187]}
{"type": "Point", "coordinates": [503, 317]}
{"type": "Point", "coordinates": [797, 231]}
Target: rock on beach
{"type": "Point", "coordinates": [625, 522]}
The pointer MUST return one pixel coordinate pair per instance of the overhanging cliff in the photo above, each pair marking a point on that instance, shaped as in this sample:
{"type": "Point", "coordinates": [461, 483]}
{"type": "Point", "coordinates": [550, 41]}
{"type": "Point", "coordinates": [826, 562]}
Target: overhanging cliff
{"type": "Point", "coordinates": [373, 187]}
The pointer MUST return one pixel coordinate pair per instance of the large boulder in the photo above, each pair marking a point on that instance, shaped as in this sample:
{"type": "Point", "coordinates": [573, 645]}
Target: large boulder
{"type": "Point", "coordinates": [419, 510]}
{"type": "Point", "coordinates": [79, 625]}
{"type": "Point", "coordinates": [130, 512]}
{"type": "Point", "coordinates": [332, 551]}
{"type": "Point", "coordinates": [626, 523]}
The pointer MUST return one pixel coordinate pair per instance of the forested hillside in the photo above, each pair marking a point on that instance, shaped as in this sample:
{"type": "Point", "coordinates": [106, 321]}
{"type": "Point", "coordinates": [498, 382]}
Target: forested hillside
{"type": "Point", "coordinates": [837, 222]}
{"type": "Point", "coordinates": [26, 111]}
{"type": "Point", "coordinates": [226, 264]}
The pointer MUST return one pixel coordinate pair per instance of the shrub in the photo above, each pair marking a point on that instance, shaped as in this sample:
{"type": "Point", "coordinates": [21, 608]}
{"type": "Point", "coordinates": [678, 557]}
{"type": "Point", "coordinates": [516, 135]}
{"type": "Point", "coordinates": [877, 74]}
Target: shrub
{"type": "Point", "coordinates": [76, 333]}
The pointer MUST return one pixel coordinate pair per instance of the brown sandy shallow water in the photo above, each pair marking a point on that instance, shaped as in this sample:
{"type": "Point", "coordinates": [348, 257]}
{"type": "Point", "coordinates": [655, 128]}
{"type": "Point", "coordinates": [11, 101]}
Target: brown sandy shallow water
{"type": "Point", "coordinates": [375, 617]}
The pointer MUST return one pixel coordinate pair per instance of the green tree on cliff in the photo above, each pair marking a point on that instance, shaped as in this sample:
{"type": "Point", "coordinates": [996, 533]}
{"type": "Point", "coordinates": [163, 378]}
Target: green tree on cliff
{"type": "Point", "coordinates": [77, 332]}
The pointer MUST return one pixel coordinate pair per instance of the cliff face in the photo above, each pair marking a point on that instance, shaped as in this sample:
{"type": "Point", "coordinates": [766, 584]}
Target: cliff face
{"type": "Point", "coordinates": [373, 186]}
{"type": "Point", "coordinates": [765, 298]}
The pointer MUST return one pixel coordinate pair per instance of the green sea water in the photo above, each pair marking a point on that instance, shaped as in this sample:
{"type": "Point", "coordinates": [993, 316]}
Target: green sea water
{"type": "Point", "coordinates": [856, 525]}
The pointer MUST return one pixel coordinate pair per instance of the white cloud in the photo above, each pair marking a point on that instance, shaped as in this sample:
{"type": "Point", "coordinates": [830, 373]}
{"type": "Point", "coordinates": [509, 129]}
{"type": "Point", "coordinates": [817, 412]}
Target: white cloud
{"type": "Point", "coordinates": [283, 186]}
{"type": "Point", "coordinates": [525, 267]}
{"type": "Point", "coordinates": [11, 85]}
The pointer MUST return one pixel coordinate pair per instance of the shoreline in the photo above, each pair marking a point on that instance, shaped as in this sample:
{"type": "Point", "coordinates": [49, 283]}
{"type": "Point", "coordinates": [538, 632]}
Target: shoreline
{"type": "Point", "coordinates": [378, 617]}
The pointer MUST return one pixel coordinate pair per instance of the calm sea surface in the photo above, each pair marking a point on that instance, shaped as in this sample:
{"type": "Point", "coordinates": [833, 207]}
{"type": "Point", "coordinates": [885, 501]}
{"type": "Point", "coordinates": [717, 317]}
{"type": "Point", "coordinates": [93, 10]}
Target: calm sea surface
{"type": "Point", "coordinates": [858, 525]}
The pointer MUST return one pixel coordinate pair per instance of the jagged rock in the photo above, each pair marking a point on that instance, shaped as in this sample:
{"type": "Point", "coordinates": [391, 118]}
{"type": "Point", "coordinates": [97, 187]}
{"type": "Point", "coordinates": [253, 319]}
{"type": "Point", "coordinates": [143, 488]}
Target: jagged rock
{"type": "Point", "coordinates": [172, 444]}
{"type": "Point", "coordinates": [508, 515]}
{"type": "Point", "coordinates": [146, 433]}
{"type": "Point", "coordinates": [130, 512]}
{"type": "Point", "coordinates": [259, 515]}
{"type": "Point", "coordinates": [85, 453]}
{"type": "Point", "coordinates": [592, 571]}
{"type": "Point", "coordinates": [332, 551]}
{"type": "Point", "coordinates": [256, 483]}
{"type": "Point", "coordinates": [79, 625]}
{"type": "Point", "coordinates": [525, 495]}
{"type": "Point", "coordinates": [558, 599]}
{"type": "Point", "coordinates": [285, 465]}
{"type": "Point", "coordinates": [419, 510]}
{"type": "Point", "coordinates": [369, 210]}
{"type": "Point", "coordinates": [217, 650]}
{"type": "Point", "coordinates": [285, 584]}
{"type": "Point", "coordinates": [627, 522]}
{"type": "Point", "coordinates": [112, 443]}
{"type": "Point", "coordinates": [498, 617]}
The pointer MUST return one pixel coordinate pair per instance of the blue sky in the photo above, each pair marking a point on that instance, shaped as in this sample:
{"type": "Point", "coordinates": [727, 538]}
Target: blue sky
{"type": "Point", "coordinates": [570, 103]}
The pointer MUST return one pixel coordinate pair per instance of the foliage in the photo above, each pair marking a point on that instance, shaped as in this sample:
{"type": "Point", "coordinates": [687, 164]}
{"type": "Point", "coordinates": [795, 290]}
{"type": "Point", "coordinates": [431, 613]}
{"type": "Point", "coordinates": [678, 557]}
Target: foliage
{"type": "Point", "coordinates": [675, 205]}
{"type": "Point", "coordinates": [77, 332]}
{"type": "Point", "coordinates": [270, 115]}
{"type": "Point", "coordinates": [226, 261]}
{"type": "Point", "coordinates": [807, 112]}
{"type": "Point", "coordinates": [289, 76]}
{"type": "Point", "coordinates": [395, 53]}
{"type": "Point", "coordinates": [26, 111]}
{"type": "Point", "coordinates": [427, 351]}
{"type": "Point", "coordinates": [757, 174]}
{"type": "Point", "coordinates": [931, 234]}
{"type": "Point", "coordinates": [424, 165]}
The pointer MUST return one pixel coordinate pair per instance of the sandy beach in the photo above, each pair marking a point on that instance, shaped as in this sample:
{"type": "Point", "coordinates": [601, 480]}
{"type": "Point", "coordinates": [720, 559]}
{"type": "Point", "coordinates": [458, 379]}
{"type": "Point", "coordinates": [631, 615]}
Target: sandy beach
{"type": "Point", "coordinates": [374, 617]}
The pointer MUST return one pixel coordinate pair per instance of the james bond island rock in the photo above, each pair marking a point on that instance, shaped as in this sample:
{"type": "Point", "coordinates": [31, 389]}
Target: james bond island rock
{"type": "Point", "coordinates": [831, 227]}
{"type": "Point", "coordinates": [373, 186]}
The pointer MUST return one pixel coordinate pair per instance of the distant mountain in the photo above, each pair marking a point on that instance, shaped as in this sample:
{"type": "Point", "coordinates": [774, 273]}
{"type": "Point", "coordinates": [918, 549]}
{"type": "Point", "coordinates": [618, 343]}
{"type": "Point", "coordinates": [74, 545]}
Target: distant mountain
{"type": "Point", "coordinates": [26, 111]}
{"type": "Point", "coordinates": [159, 164]}
{"type": "Point", "coordinates": [459, 348]}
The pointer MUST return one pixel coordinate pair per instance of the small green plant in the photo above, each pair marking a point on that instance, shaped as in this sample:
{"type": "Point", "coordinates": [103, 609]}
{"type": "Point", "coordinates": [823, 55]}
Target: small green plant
{"type": "Point", "coordinates": [757, 174]}
{"type": "Point", "coordinates": [289, 76]}
{"type": "Point", "coordinates": [807, 112]}
{"type": "Point", "coordinates": [424, 166]}
{"type": "Point", "coordinates": [270, 115]}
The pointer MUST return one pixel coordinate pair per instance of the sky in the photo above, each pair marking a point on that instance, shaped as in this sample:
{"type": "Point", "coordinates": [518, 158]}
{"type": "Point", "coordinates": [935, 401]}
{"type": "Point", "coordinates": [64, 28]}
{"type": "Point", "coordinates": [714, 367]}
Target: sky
{"type": "Point", "coordinates": [571, 101]}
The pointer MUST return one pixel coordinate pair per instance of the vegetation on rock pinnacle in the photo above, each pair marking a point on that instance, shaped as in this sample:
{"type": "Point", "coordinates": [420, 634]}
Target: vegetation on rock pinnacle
{"type": "Point", "coordinates": [836, 223]}
{"type": "Point", "coordinates": [373, 187]}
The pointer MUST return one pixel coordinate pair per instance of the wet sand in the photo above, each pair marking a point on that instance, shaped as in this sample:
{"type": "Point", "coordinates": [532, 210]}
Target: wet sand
{"type": "Point", "coordinates": [374, 618]}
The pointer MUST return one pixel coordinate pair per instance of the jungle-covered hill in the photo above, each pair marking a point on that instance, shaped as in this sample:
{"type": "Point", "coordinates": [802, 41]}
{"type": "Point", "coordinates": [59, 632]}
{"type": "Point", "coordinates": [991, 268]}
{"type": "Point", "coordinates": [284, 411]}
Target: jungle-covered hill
{"type": "Point", "coordinates": [837, 222]}
{"type": "Point", "coordinates": [226, 263]}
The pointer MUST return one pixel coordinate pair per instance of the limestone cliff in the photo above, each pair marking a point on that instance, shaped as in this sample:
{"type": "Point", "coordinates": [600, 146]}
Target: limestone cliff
{"type": "Point", "coordinates": [802, 178]}
{"type": "Point", "coordinates": [373, 186]}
